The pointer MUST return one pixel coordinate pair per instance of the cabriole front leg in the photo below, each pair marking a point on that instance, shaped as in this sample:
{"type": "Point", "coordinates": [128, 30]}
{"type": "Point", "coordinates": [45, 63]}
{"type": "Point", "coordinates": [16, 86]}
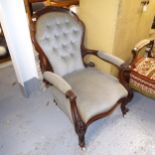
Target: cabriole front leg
{"type": "Point", "coordinates": [80, 126]}
{"type": "Point", "coordinates": [124, 109]}
{"type": "Point", "coordinates": [124, 78]}
{"type": "Point", "coordinates": [81, 130]}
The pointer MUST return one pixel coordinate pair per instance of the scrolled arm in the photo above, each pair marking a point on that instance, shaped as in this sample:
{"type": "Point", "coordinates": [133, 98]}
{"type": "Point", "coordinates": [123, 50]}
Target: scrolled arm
{"type": "Point", "coordinates": [141, 44]}
{"type": "Point", "coordinates": [66, 89]}
{"type": "Point", "coordinates": [105, 57]}
{"type": "Point", "coordinates": [110, 58]}
{"type": "Point", "coordinates": [145, 42]}
{"type": "Point", "coordinates": [57, 81]}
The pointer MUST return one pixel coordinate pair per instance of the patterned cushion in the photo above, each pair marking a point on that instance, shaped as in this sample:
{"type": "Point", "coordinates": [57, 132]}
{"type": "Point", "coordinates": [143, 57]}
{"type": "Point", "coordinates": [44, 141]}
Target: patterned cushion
{"type": "Point", "coordinates": [142, 77]}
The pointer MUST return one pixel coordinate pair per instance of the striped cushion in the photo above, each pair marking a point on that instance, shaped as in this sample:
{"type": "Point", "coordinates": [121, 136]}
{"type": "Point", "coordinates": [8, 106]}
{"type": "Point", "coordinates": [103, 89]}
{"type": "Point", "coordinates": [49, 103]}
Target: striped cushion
{"type": "Point", "coordinates": [142, 77]}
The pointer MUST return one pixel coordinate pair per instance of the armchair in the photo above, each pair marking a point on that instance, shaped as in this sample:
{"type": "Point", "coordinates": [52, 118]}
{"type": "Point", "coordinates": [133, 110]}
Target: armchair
{"type": "Point", "coordinates": [82, 92]}
{"type": "Point", "coordinates": [142, 77]}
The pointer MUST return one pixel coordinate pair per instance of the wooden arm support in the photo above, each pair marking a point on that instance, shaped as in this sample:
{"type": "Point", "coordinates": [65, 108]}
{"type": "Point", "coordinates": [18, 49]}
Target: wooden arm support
{"type": "Point", "coordinates": [80, 126]}
{"type": "Point", "coordinates": [105, 57]}
{"type": "Point", "coordinates": [124, 77]}
{"type": "Point", "coordinates": [149, 43]}
{"type": "Point", "coordinates": [124, 68]}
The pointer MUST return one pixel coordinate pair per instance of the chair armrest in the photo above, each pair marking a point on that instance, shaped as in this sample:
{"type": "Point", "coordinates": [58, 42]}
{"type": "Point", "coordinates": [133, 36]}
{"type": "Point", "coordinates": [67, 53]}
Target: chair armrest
{"type": "Point", "coordinates": [149, 43]}
{"type": "Point", "coordinates": [66, 89]}
{"type": "Point", "coordinates": [57, 81]}
{"type": "Point", "coordinates": [105, 56]}
{"type": "Point", "coordinates": [110, 58]}
{"type": "Point", "coordinates": [141, 44]}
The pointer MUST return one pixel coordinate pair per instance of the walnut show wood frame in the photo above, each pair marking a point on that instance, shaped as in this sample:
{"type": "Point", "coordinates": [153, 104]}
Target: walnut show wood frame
{"type": "Point", "coordinates": [124, 71]}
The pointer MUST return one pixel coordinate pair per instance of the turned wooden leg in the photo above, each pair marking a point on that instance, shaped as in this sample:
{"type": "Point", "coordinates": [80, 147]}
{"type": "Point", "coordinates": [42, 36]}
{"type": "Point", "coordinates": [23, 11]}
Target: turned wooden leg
{"type": "Point", "coordinates": [124, 109]}
{"type": "Point", "coordinates": [125, 101]}
{"type": "Point", "coordinates": [81, 139]}
{"type": "Point", "coordinates": [81, 130]}
{"type": "Point", "coordinates": [130, 95]}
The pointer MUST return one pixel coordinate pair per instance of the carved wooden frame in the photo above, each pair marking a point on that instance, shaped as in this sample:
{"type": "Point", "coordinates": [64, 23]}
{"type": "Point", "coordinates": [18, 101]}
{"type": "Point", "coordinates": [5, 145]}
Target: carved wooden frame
{"type": "Point", "coordinates": [148, 52]}
{"type": "Point", "coordinates": [124, 71]}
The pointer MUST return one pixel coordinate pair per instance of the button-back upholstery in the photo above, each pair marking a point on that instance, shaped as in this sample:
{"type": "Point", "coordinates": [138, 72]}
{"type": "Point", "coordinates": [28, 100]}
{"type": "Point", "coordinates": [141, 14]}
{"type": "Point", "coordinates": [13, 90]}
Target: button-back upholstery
{"type": "Point", "coordinates": [60, 37]}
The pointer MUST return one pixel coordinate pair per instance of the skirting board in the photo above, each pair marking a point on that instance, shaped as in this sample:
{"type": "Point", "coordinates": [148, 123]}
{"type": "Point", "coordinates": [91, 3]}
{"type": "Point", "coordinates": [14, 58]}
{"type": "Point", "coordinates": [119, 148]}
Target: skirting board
{"type": "Point", "coordinates": [31, 86]}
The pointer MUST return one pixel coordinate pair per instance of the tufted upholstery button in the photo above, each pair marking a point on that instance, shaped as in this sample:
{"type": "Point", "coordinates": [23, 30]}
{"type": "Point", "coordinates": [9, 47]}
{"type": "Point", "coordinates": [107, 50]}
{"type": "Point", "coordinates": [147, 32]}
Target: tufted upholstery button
{"type": "Point", "coordinates": [47, 39]}
{"type": "Point", "coordinates": [54, 49]}
{"type": "Point", "coordinates": [65, 35]}
{"type": "Point", "coordinates": [56, 37]}
{"type": "Point", "coordinates": [75, 32]}
{"type": "Point", "coordinates": [64, 47]}
{"type": "Point", "coordinates": [48, 27]}
{"type": "Point", "coordinates": [57, 22]}
{"type": "Point", "coordinates": [66, 20]}
{"type": "Point", "coordinates": [73, 42]}
{"type": "Point", "coordinates": [73, 45]}
{"type": "Point", "coordinates": [58, 25]}
{"type": "Point", "coordinates": [72, 55]}
{"type": "Point", "coordinates": [67, 24]}
{"type": "Point", "coordinates": [64, 58]}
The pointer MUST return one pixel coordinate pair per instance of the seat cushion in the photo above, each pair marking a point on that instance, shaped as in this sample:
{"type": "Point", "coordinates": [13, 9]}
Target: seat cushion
{"type": "Point", "coordinates": [142, 77]}
{"type": "Point", "coordinates": [96, 92]}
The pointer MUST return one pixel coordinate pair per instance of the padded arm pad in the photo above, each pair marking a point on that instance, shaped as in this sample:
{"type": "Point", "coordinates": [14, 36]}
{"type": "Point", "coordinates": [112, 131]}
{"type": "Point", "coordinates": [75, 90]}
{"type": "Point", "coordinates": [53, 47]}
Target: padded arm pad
{"type": "Point", "coordinates": [57, 81]}
{"type": "Point", "coordinates": [141, 44]}
{"type": "Point", "coordinates": [110, 58]}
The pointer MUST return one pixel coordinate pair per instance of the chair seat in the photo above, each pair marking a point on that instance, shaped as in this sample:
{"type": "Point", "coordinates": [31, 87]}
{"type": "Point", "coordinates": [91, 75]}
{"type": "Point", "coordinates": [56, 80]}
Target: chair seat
{"type": "Point", "coordinates": [142, 76]}
{"type": "Point", "coordinates": [96, 92]}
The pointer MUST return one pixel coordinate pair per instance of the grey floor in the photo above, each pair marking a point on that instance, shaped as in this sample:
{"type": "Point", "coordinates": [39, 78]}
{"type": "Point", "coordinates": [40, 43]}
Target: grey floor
{"type": "Point", "coordinates": [35, 126]}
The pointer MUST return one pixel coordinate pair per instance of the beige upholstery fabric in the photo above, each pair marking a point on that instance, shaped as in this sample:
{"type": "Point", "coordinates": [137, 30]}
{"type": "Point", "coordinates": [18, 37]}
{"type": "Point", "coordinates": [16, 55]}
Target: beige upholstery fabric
{"type": "Point", "coordinates": [60, 36]}
{"type": "Point", "coordinates": [111, 58]}
{"type": "Point", "coordinates": [57, 81]}
{"type": "Point", "coordinates": [96, 92]}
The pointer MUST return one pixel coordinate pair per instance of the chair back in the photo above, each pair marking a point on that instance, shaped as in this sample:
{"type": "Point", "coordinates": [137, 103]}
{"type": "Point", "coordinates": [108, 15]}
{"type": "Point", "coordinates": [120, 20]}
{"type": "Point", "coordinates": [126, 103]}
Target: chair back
{"type": "Point", "coordinates": [59, 33]}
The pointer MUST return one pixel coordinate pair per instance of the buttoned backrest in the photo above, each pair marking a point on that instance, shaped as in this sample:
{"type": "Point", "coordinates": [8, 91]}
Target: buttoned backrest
{"type": "Point", "coordinates": [59, 34]}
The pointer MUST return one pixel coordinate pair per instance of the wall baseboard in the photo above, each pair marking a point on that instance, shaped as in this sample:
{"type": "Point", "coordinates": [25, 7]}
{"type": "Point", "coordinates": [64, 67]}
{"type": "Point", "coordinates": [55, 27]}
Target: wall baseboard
{"type": "Point", "coordinates": [31, 86]}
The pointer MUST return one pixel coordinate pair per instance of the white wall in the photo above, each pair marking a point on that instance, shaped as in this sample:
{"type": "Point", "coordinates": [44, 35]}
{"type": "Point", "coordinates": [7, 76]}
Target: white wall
{"type": "Point", "coordinates": [15, 25]}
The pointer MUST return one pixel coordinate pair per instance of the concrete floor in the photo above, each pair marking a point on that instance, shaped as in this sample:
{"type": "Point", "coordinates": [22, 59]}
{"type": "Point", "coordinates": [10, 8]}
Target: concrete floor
{"type": "Point", "coordinates": [35, 126]}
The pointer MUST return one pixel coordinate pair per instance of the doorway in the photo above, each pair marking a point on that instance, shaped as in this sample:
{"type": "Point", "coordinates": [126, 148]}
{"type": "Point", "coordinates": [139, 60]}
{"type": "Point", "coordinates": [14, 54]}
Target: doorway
{"type": "Point", "coordinates": [4, 51]}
